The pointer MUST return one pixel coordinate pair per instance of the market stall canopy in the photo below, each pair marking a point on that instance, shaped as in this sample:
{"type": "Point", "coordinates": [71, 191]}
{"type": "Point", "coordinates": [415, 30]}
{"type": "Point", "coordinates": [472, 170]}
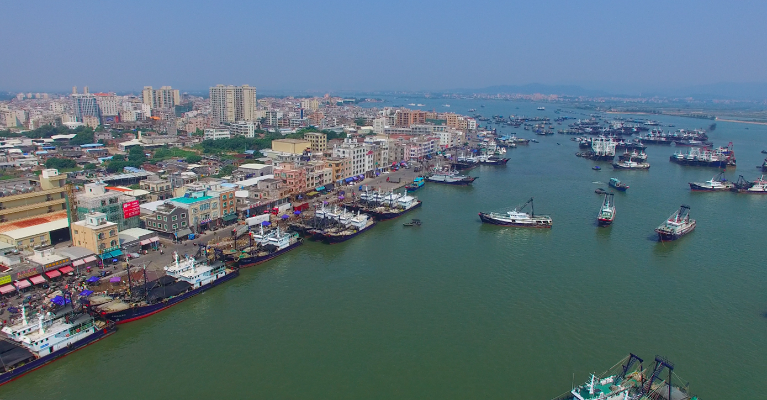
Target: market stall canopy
{"type": "Point", "coordinates": [86, 293]}
{"type": "Point", "coordinates": [52, 274]}
{"type": "Point", "coordinates": [92, 279]}
{"type": "Point", "coordinates": [60, 300]}
{"type": "Point", "coordinates": [66, 269]}
{"type": "Point", "coordinates": [114, 279]}
{"type": "Point", "coordinates": [7, 289]}
{"type": "Point", "coordinates": [37, 279]}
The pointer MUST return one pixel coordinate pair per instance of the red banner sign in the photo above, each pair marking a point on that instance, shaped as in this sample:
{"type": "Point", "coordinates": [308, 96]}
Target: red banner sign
{"type": "Point", "coordinates": [131, 209]}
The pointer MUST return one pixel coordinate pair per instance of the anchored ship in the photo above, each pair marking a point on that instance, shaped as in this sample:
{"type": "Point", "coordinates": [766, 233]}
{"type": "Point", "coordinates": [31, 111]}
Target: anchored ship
{"type": "Point", "coordinates": [630, 164]}
{"type": "Point", "coordinates": [716, 184]}
{"type": "Point", "coordinates": [606, 214]}
{"type": "Point", "coordinates": [721, 157]}
{"type": "Point", "coordinates": [677, 225]}
{"type": "Point", "coordinates": [451, 178]}
{"type": "Point", "coordinates": [629, 380]}
{"type": "Point", "coordinates": [617, 184]}
{"type": "Point", "coordinates": [268, 246]}
{"type": "Point", "coordinates": [347, 228]}
{"type": "Point", "coordinates": [518, 218]}
{"type": "Point", "coordinates": [51, 338]}
{"type": "Point", "coordinates": [184, 279]}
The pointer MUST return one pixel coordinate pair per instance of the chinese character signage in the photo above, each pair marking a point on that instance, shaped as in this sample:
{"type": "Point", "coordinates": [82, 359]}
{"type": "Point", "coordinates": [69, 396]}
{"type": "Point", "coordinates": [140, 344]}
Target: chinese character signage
{"type": "Point", "coordinates": [131, 209]}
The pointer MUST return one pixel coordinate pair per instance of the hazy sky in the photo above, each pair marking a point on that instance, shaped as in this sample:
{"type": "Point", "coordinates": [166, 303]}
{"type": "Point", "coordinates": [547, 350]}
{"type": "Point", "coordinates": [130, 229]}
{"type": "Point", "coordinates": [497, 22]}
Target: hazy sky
{"type": "Point", "coordinates": [379, 45]}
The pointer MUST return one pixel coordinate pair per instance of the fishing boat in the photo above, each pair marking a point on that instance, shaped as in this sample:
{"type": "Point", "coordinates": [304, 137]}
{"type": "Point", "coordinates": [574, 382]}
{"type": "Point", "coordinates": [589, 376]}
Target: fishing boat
{"type": "Point", "coordinates": [269, 246]}
{"type": "Point", "coordinates": [600, 191]}
{"type": "Point", "coordinates": [606, 213]}
{"type": "Point", "coordinates": [183, 280]}
{"type": "Point", "coordinates": [716, 184]}
{"type": "Point", "coordinates": [346, 229]}
{"type": "Point", "coordinates": [721, 157]}
{"type": "Point", "coordinates": [596, 168]}
{"type": "Point", "coordinates": [758, 186]}
{"type": "Point", "coordinates": [518, 218]}
{"type": "Point", "coordinates": [417, 183]}
{"type": "Point", "coordinates": [677, 225]}
{"type": "Point", "coordinates": [617, 184]}
{"type": "Point", "coordinates": [50, 339]}
{"type": "Point", "coordinates": [451, 178]}
{"type": "Point", "coordinates": [629, 380]}
{"type": "Point", "coordinates": [541, 108]}
{"type": "Point", "coordinates": [413, 222]}
{"type": "Point", "coordinates": [629, 164]}
{"type": "Point", "coordinates": [493, 160]}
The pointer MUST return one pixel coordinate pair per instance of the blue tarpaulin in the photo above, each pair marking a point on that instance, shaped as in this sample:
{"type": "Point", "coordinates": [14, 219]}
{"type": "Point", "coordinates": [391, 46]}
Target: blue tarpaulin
{"type": "Point", "coordinates": [266, 223]}
{"type": "Point", "coordinates": [349, 179]}
{"type": "Point", "coordinates": [93, 279]}
{"type": "Point", "coordinates": [86, 293]}
{"type": "Point", "coordinates": [60, 300]}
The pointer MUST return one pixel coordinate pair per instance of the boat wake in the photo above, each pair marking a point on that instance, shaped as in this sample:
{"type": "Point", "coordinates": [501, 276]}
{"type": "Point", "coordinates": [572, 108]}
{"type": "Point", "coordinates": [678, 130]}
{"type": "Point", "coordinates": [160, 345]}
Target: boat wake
{"type": "Point", "coordinates": [597, 182]}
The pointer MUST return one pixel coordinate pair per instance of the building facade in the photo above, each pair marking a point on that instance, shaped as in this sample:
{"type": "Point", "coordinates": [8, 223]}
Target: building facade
{"type": "Point", "coordinates": [95, 233]}
{"type": "Point", "coordinates": [233, 103]}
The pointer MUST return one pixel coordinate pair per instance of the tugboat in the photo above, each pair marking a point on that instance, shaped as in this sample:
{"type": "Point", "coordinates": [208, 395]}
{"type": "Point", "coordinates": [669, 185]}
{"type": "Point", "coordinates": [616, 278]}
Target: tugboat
{"type": "Point", "coordinates": [269, 246]}
{"type": "Point", "coordinates": [716, 184]}
{"type": "Point", "coordinates": [183, 280]}
{"type": "Point", "coordinates": [677, 225]}
{"type": "Point", "coordinates": [607, 212]}
{"type": "Point", "coordinates": [417, 183]}
{"type": "Point", "coordinates": [51, 338]}
{"type": "Point", "coordinates": [615, 183]}
{"type": "Point", "coordinates": [628, 380]}
{"type": "Point", "coordinates": [518, 218]}
{"type": "Point", "coordinates": [451, 178]}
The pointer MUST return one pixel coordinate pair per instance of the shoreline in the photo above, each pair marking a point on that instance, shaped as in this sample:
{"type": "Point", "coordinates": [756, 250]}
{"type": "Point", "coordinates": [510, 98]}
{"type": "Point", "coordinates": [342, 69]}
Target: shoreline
{"type": "Point", "coordinates": [741, 121]}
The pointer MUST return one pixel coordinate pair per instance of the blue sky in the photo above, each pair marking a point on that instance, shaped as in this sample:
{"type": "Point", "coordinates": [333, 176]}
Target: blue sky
{"type": "Point", "coordinates": [393, 45]}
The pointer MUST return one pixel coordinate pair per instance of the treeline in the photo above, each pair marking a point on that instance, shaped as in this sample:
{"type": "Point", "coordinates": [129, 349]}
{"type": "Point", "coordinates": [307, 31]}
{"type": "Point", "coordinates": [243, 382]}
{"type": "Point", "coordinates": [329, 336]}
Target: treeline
{"type": "Point", "coordinates": [60, 163]}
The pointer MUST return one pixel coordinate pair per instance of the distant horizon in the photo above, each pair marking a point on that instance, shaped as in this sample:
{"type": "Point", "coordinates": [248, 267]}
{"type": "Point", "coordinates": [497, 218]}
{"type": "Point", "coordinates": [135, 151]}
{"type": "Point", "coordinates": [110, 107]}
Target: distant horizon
{"type": "Point", "coordinates": [758, 90]}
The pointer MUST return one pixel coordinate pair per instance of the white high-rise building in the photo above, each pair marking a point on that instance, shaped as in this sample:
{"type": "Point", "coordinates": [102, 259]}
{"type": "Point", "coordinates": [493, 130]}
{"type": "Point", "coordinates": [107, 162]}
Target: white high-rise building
{"type": "Point", "coordinates": [233, 103]}
{"type": "Point", "coordinates": [164, 97]}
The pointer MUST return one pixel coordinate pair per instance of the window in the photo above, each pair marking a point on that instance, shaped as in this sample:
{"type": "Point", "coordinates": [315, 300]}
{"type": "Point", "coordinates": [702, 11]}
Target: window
{"type": "Point", "coordinates": [75, 231]}
{"type": "Point", "coordinates": [102, 246]}
{"type": "Point", "coordinates": [183, 215]}
{"type": "Point", "coordinates": [112, 232]}
{"type": "Point", "coordinates": [113, 243]}
{"type": "Point", "coordinates": [175, 217]}
{"type": "Point", "coordinates": [175, 226]}
{"type": "Point", "coordinates": [183, 223]}
{"type": "Point", "coordinates": [31, 240]}
{"type": "Point", "coordinates": [101, 235]}
{"type": "Point", "coordinates": [166, 227]}
{"type": "Point", "coordinates": [231, 203]}
{"type": "Point", "coordinates": [159, 217]}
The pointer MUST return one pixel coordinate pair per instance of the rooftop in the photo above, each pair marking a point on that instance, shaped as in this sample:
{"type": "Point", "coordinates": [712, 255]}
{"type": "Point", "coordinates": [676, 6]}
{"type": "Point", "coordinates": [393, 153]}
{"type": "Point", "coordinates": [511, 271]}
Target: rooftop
{"type": "Point", "coordinates": [33, 221]}
{"type": "Point", "coordinates": [190, 200]}
{"type": "Point", "coordinates": [37, 229]}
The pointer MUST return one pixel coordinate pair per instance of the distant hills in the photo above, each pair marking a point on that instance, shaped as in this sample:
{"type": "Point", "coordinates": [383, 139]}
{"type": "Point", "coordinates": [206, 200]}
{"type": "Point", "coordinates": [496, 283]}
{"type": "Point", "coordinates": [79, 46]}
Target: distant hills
{"type": "Point", "coordinates": [724, 90]}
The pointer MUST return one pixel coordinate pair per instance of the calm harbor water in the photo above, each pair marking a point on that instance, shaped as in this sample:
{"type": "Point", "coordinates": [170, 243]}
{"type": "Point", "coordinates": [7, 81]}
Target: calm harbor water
{"type": "Point", "coordinates": [457, 309]}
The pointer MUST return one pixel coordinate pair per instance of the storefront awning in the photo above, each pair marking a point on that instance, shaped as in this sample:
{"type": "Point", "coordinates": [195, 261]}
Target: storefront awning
{"type": "Point", "coordinates": [349, 179]}
{"type": "Point", "coordinates": [145, 242]}
{"type": "Point", "coordinates": [105, 255]}
{"type": "Point", "coordinates": [183, 232]}
{"type": "Point", "coordinates": [78, 263]}
{"type": "Point", "coordinates": [117, 253]}
{"type": "Point", "coordinates": [37, 279]}
{"type": "Point", "coordinates": [319, 189]}
{"type": "Point", "coordinates": [90, 259]}
{"type": "Point", "coordinates": [154, 239]}
{"type": "Point", "coordinates": [23, 284]}
{"type": "Point", "coordinates": [66, 269]}
{"type": "Point", "coordinates": [230, 217]}
{"type": "Point", "coordinates": [53, 274]}
{"type": "Point", "coordinates": [7, 289]}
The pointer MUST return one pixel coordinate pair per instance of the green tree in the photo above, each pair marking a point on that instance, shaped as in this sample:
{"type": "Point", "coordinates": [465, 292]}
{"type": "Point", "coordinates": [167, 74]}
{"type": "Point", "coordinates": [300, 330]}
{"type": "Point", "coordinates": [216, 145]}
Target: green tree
{"type": "Point", "coordinates": [193, 159]}
{"type": "Point", "coordinates": [225, 170]}
{"type": "Point", "coordinates": [89, 166]}
{"type": "Point", "coordinates": [60, 163]}
{"type": "Point", "coordinates": [360, 121]}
